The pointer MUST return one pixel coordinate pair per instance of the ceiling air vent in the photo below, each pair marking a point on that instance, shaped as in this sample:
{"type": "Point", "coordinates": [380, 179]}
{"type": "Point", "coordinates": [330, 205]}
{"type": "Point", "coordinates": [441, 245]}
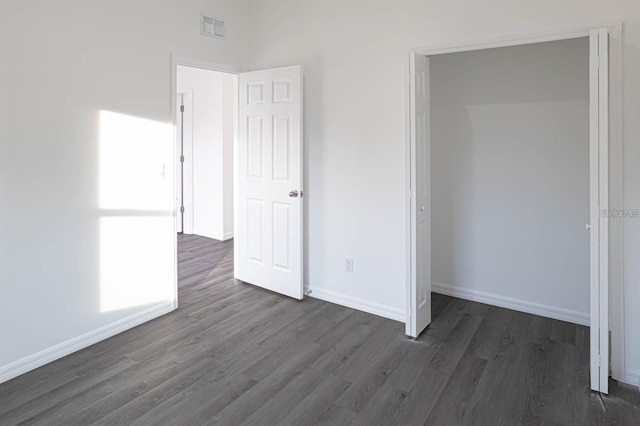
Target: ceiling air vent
{"type": "Point", "coordinates": [211, 26]}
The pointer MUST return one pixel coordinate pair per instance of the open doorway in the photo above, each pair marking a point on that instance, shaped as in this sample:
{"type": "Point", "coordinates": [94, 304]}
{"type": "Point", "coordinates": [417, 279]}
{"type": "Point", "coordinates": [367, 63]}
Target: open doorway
{"type": "Point", "coordinates": [426, 247]}
{"type": "Point", "coordinates": [238, 162]}
{"type": "Point", "coordinates": [510, 177]}
{"type": "Point", "coordinates": [206, 115]}
{"type": "Point", "coordinates": [206, 127]}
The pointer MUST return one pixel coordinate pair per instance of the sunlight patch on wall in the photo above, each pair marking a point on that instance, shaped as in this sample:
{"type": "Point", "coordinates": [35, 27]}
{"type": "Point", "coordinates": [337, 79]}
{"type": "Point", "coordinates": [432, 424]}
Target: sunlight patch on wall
{"type": "Point", "coordinates": [134, 154]}
{"type": "Point", "coordinates": [137, 225]}
{"type": "Point", "coordinates": [136, 262]}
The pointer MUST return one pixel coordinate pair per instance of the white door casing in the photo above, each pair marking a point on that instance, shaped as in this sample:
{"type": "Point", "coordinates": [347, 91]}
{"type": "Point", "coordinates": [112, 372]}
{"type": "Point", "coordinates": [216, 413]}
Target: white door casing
{"type": "Point", "coordinates": [184, 171]}
{"type": "Point", "coordinates": [268, 186]}
{"type": "Point", "coordinates": [598, 182]}
{"type": "Point", "coordinates": [599, 202]}
{"type": "Point", "coordinates": [420, 203]}
{"type": "Point", "coordinates": [180, 163]}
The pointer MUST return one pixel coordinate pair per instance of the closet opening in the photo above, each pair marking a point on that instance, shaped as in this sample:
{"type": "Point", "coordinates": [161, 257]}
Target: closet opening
{"type": "Point", "coordinates": [508, 176]}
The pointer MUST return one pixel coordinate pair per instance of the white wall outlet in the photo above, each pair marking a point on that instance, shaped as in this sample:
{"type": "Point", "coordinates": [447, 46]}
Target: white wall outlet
{"type": "Point", "coordinates": [348, 264]}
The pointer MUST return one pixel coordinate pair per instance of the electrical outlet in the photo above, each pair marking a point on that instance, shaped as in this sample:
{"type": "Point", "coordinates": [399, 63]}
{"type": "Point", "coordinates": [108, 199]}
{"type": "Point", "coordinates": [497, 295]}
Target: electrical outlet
{"type": "Point", "coordinates": [348, 264]}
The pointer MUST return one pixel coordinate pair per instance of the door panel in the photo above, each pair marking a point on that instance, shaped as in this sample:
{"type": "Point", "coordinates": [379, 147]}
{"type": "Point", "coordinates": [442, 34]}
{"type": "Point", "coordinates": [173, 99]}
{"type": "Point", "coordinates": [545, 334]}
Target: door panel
{"type": "Point", "coordinates": [268, 241]}
{"type": "Point", "coordinates": [255, 144]}
{"type": "Point", "coordinates": [599, 201]}
{"type": "Point", "coordinates": [281, 149]}
{"type": "Point", "coordinates": [420, 206]}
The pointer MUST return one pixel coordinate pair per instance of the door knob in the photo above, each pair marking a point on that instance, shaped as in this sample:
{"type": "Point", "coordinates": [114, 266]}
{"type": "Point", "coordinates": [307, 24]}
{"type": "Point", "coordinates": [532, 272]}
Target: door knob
{"type": "Point", "coordinates": [293, 193]}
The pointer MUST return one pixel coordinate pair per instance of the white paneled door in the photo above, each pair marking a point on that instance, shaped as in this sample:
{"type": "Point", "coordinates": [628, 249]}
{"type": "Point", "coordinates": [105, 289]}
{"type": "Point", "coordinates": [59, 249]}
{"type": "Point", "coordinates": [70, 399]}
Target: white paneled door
{"type": "Point", "coordinates": [268, 235]}
{"type": "Point", "coordinates": [420, 205]}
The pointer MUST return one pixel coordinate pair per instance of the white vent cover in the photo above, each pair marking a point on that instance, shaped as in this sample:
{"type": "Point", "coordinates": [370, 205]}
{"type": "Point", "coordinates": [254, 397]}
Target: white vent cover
{"type": "Point", "coordinates": [211, 26]}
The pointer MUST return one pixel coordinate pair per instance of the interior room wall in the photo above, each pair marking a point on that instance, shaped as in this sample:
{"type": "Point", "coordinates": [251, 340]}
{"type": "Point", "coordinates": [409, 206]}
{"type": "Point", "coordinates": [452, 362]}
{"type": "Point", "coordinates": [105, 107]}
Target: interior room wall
{"type": "Point", "coordinates": [63, 62]}
{"type": "Point", "coordinates": [207, 180]}
{"type": "Point", "coordinates": [211, 185]}
{"type": "Point", "coordinates": [510, 177]}
{"type": "Point", "coordinates": [355, 61]}
{"type": "Point", "coordinates": [354, 56]}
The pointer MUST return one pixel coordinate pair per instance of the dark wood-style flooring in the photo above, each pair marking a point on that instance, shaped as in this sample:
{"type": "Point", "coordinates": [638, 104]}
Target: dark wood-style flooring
{"type": "Point", "coordinates": [235, 354]}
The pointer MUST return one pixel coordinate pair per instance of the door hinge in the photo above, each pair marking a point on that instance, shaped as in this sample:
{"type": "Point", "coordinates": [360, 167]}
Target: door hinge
{"type": "Point", "coordinates": [182, 158]}
{"type": "Point", "coordinates": [181, 209]}
{"type": "Point", "coordinates": [181, 108]}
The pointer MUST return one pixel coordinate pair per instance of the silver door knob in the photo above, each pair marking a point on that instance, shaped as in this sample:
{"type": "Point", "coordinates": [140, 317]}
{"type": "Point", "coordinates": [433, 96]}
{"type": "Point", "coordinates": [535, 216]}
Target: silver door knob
{"type": "Point", "coordinates": [293, 193]}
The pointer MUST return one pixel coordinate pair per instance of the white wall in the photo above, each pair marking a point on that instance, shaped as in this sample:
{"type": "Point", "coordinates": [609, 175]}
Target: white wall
{"type": "Point", "coordinates": [229, 116]}
{"type": "Point", "coordinates": [354, 56]}
{"type": "Point", "coordinates": [205, 183]}
{"type": "Point", "coordinates": [510, 176]}
{"type": "Point", "coordinates": [62, 63]}
{"type": "Point", "coordinates": [211, 184]}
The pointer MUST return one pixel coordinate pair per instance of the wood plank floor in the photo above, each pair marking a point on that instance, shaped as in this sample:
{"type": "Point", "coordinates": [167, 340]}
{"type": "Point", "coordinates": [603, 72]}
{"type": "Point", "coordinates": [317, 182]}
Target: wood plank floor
{"type": "Point", "coordinates": [235, 354]}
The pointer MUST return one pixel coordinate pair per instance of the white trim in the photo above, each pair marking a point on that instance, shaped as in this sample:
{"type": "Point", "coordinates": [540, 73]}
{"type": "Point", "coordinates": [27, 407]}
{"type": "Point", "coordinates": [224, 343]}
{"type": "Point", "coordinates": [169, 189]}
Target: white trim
{"type": "Point", "coordinates": [200, 63]}
{"type": "Point", "coordinates": [227, 236]}
{"type": "Point", "coordinates": [616, 186]}
{"type": "Point", "coordinates": [631, 377]}
{"type": "Point", "coordinates": [409, 229]}
{"type": "Point", "coordinates": [236, 136]}
{"type": "Point", "coordinates": [594, 211]}
{"type": "Point", "coordinates": [499, 42]}
{"type": "Point", "coordinates": [548, 311]}
{"type": "Point", "coordinates": [615, 68]}
{"type": "Point", "coordinates": [412, 292]}
{"type": "Point", "coordinates": [189, 201]}
{"type": "Point", "coordinates": [60, 350]}
{"type": "Point", "coordinates": [173, 100]}
{"type": "Point", "coordinates": [359, 304]}
{"type": "Point", "coordinates": [510, 40]}
{"type": "Point", "coordinates": [603, 160]}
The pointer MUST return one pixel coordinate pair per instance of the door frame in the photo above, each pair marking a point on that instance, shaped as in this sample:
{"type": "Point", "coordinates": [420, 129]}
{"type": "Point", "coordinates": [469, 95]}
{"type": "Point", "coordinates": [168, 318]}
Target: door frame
{"type": "Point", "coordinates": [188, 202]}
{"type": "Point", "coordinates": [610, 260]}
{"type": "Point", "coordinates": [177, 60]}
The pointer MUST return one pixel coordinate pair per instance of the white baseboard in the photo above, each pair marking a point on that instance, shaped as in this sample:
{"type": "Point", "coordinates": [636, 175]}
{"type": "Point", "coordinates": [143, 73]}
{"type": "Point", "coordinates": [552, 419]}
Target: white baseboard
{"type": "Point", "coordinates": [217, 237]}
{"type": "Point", "coordinates": [60, 350]}
{"type": "Point", "coordinates": [359, 304]}
{"type": "Point", "coordinates": [511, 303]}
{"type": "Point", "coordinates": [632, 377]}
